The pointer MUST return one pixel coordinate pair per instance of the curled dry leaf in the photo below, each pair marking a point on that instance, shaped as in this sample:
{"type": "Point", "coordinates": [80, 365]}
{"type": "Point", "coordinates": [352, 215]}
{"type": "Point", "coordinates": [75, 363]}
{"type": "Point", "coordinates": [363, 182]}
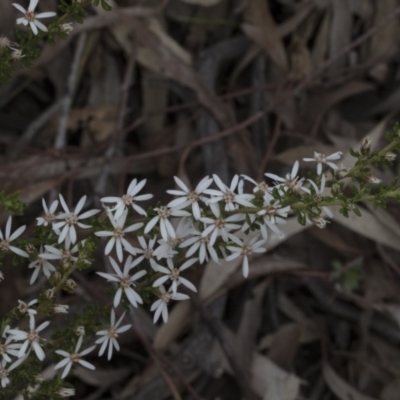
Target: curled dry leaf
{"type": "Point", "coordinates": [340, 387]}
{"type": "Point", "coordinates": [261, 27]}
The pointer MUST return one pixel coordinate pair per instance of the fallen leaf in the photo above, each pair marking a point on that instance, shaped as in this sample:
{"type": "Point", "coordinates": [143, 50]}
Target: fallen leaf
{"type": "Point", "coordinates": [340, 387]}
{"type": "Point", "coordinates": [261, 27]}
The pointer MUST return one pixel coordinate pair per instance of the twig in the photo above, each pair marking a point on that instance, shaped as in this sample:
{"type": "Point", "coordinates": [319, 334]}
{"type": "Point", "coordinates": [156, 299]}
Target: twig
{"type": "Point", "coordinates": [66, 101]}
{"type": "Point", "coordinates": [237, 128]}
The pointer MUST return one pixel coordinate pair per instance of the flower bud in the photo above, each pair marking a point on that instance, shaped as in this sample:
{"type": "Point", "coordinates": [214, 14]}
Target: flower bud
{"type": "Point", "coordinates": [373, 180]}
{"type": "Point", "coordinates": [80, 330]}
{"type": "Point", "coordinates": [71, 284]}
{"type": "Point", "coordinates": [389, 156]}
{"type": "Point", "coordinates": [366, 144]}
{"type": "Point", "coordinates": [50, 293]}
{"type": "Point", "coordinates": [60, 309]}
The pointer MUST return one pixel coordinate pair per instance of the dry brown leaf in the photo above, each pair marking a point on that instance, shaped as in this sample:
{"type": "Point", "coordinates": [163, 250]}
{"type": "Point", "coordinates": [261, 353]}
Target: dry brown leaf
{"type": "Point", "coordinates": [300, 60]}
{"type": "Point", "coordinates": [249, 326]}
{"type": "Point", "coordinates": [285, 345]}
{"type": "Point", "coordinates": [272, 382]}
{"type": "Point", "coordinates": [309, 333]}
{"type": "Point", "coordinates": [368, 226]}
{"type": "Point", "coordinates": [267, 379]}
{"type": "Point", "coordinates": [340, 387]}
{"type": "Point", "coordinates": [261, 27]}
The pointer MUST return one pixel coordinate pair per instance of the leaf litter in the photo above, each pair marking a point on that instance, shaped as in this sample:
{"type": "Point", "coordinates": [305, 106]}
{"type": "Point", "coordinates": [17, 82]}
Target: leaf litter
{"type": "Point", "coordinates": [318, 317]}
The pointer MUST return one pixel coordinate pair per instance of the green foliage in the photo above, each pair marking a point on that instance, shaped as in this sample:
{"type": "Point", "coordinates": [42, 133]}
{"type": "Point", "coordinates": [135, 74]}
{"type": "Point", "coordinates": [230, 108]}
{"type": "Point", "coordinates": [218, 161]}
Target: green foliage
{"type": "Point", "coordinates": [11, 203]}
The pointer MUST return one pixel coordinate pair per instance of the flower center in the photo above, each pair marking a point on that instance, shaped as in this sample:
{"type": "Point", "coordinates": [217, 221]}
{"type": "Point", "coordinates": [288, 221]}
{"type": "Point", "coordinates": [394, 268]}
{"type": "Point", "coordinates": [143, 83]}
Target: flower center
{"type": "Point", "coordinates": [30, 16]}
{"type": "Point", "coordinates": [321, 158]}
{"type": "Point", "coordinates": [229, 196]}
{"type": "Point", "coordinates": [71, 220]}
{"type": "Point", "coordinates": [112, 333]}
{"type": "Point", "coordinates": [4, 245]}
{"type": "Point", "coordinates": [166, 297]}
{"type": "Point", "coordinates": [33, 336]}
{"type": "Point", "coordinates": [49, 218]}
{"type": "Point", "coordinates": [271, 210]}
{"type": "Point", "coordinates": [247, 250]}
{"type": "Point", "coordinates": [3, 373]}
{"type": "Point", "coordinates": [164, 212]}
{"type": "Point", "coordinates": [75, 357]}
{"type": "Point", "coordinates": [194, 196]}
{"type": "Point", "coordinates": [125, 282]}
{"type": "Point", "coordinates": [205, 240]}
{"type": "Point", "coordinates": [127, 199]}
{"type": "Point", "coordinates": [220, 223]}
{"type": "Point", "coordinates": [174, 275]}
{"type": "Point", "coordinates": [148, 253]}
{"type": "Point", "coordinates": [3, 349]}
{"type": "Point", "coordinates": [23, 307]}
{"type": "Point", "coordinates": [118, 233]}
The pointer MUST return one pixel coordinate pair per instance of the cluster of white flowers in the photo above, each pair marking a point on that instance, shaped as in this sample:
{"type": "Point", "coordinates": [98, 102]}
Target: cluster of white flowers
{"type": "Point", "coordinates": [195, 227]}
{"type": "Point", "coordinates": [32, 19]}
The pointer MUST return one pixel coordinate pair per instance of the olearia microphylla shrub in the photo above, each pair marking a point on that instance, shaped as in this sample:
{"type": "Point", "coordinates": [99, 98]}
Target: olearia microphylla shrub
{"type": "Point", "coordinates": [35, 28]}
{"type": "Point", "coordinates": [214, 221]}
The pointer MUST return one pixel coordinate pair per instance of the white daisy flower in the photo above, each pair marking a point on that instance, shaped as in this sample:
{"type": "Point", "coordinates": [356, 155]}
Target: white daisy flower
{"type": "Point", "coordinates": [8, 348]}
{"type": "Point", "coordinates": [41, 264]}
{"type": "Point", "coordinates": [71, 219]}
{"type": "Point", "coordinates": [49, 216]}
{"type": "Point", "coordinates": [160, 306]}
{"type": "Point", "coordinates": [5, 371]}
{"type": "Point", "coordinates": [162, 217]}
{"type": "Point", "coordinates": [246, 249]}
{"type": "Point", "coordinates": [24, 307]}
{"type": "Point", "coordinates": [147, 252]}
{"type": "Point", "coordinates": [8, 237]}
{"type": "Point", "coordinates": [125, 282]}
{"type": "Point", "coordinates": [66, 255]}
{"type": "Point", "coordinates": [31, 338]}
{"type": "Point", "coordinates": [173, 274]}
{"type": "Point", "coordinates": [228, 195]}
{"type": "Point", "coordinates": [272, 214]}
{"type": "Point", "coordinates": [318, 192]}
{"type": "Point", "coordinates": [129, 199]}
{"type": "Point", "coordinates": [74, 357]}
{"type": "Point", "coordinates": [166, 248]}
{"type": "Point", "coordinates": [109, 336]}
{"type": "Point", "coordinates": [190, 197]}
{"type": "Point", "coordinates": [200, 244]}
{"type": "Point", "coordinates": [262, 186]}
{"type": "Point", "coordinates": [291, 181]}
{"type": "Point", "coordinates": [31, 17]}
{"type": "Point", "coordinates": [220, 226]}
{"type": "Point", "coordinates": [321, 158]}
{"type": "Point", "coordinates": [117, 235]}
